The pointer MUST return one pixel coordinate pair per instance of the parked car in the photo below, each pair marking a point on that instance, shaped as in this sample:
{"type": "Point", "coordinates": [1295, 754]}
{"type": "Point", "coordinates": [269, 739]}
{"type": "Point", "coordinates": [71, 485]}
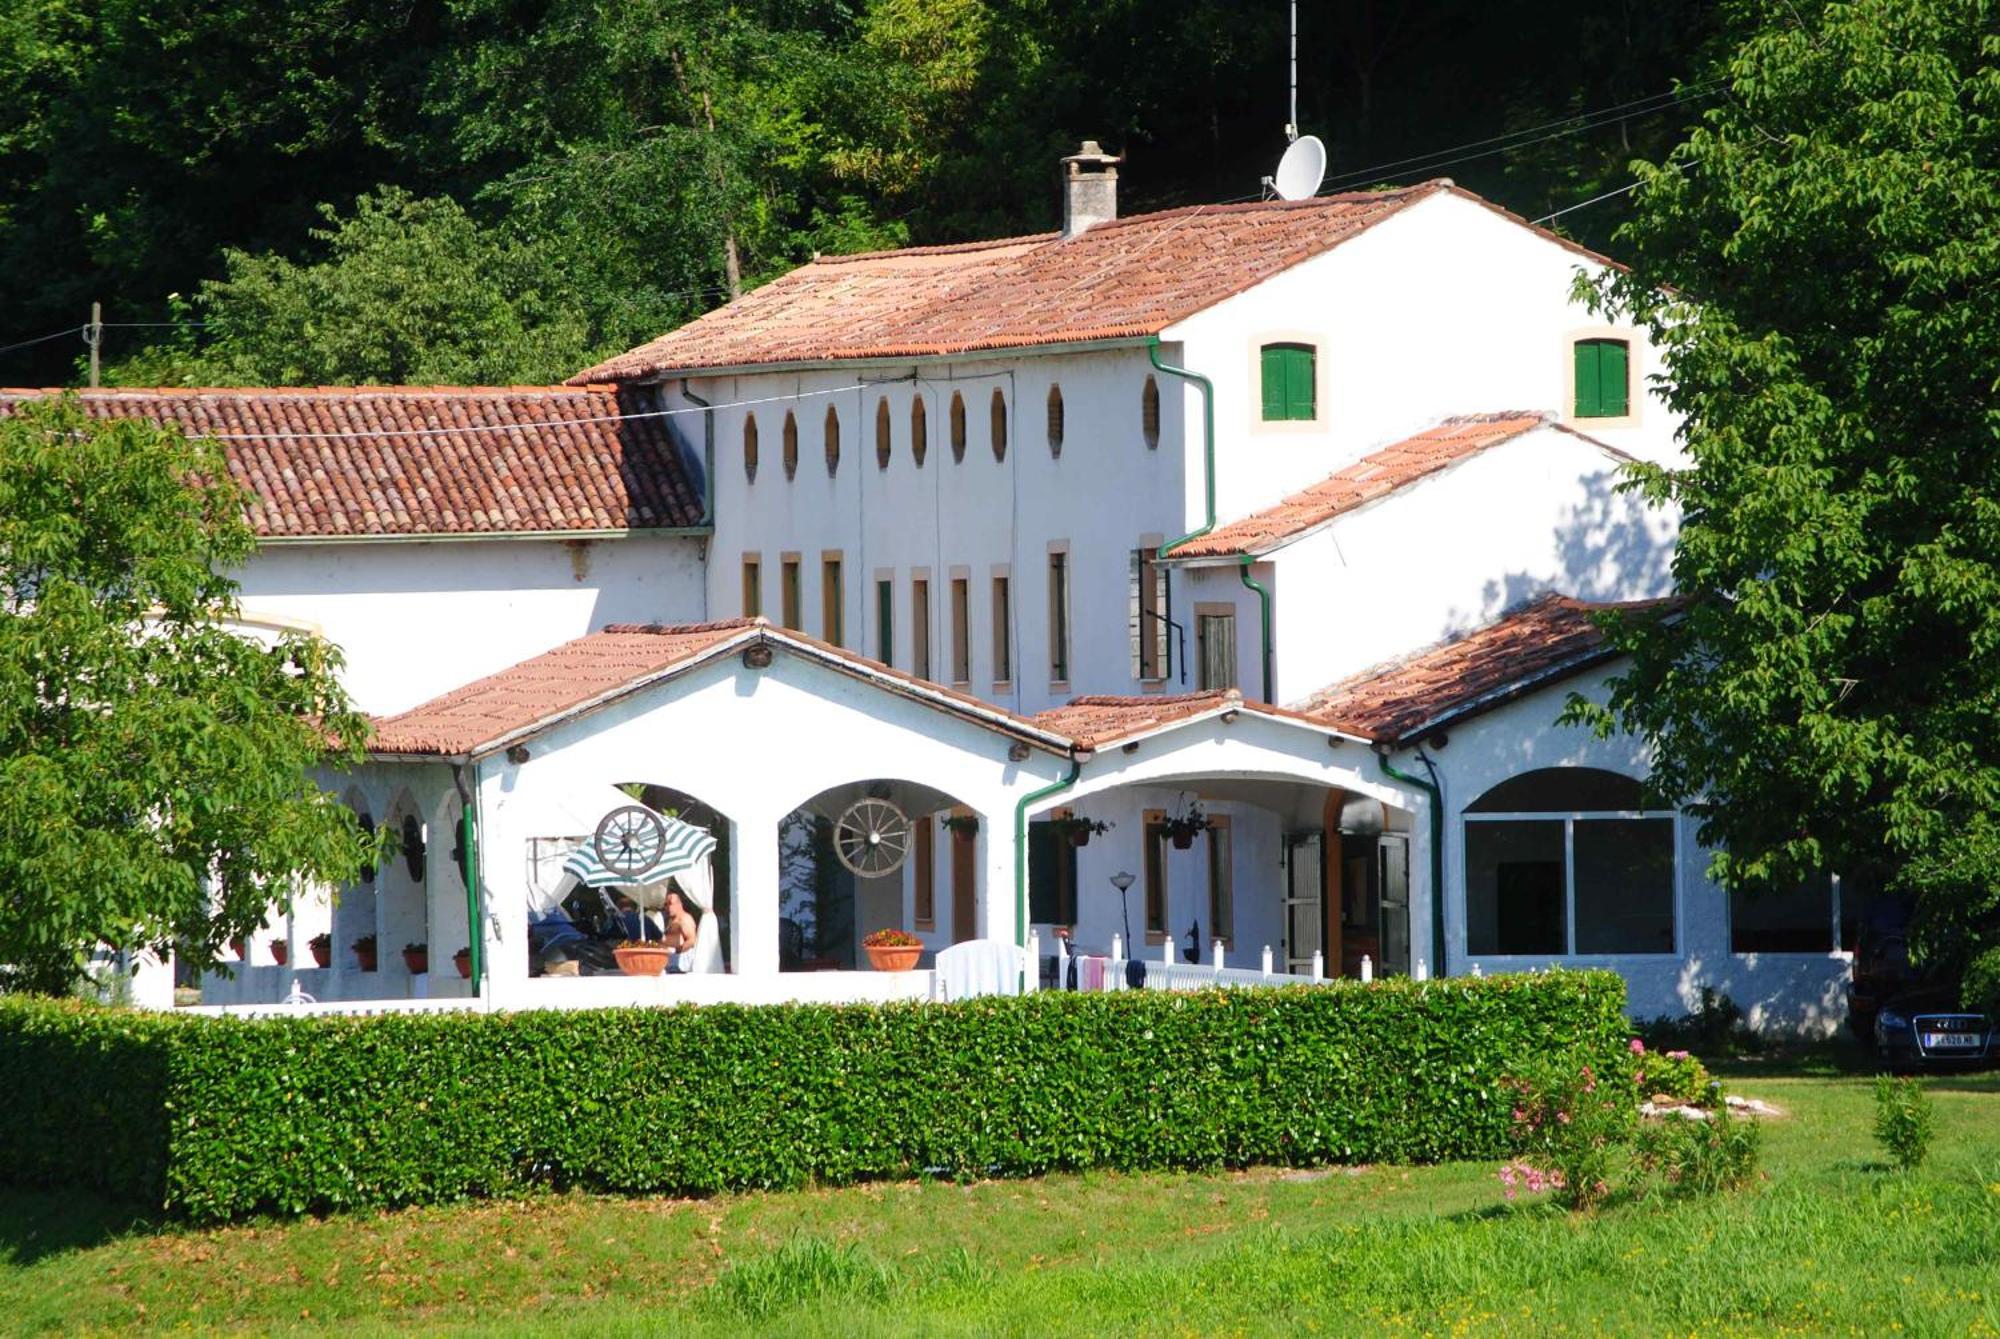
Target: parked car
{"type": "Point", "coordinates": [1928, 1029]}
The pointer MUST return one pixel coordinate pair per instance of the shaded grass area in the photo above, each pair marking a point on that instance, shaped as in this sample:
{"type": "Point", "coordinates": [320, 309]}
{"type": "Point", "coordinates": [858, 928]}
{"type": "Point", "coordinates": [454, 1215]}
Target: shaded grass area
{"type": "Point", "coordinates": [1833, 1242]}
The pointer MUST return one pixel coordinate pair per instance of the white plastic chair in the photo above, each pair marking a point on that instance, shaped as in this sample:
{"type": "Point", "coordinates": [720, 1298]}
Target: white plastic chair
{"type": "Point", "coordinates": [981, 967]}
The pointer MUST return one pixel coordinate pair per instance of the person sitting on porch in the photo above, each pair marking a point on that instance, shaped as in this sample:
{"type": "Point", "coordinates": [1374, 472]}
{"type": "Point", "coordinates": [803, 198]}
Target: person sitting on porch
{"type": "Point", "coordinates": [680, 931]}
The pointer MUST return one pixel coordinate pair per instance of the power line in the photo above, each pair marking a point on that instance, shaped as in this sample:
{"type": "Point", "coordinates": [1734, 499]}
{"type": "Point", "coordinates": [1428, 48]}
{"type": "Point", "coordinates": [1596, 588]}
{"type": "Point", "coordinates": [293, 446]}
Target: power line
{"type": "Point", "coordinates": [43, 339]}
{"type": "Point", "coordinates": [1595, 199]}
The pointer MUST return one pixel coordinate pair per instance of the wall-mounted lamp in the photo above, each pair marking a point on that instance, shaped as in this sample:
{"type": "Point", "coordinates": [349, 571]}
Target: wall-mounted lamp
{"type": "Point", "coordinates": [757, 656]}
{"type": "Point", "coordinates": [518, 754]}
{"type": "Point", "coordinates": [1017, 752]}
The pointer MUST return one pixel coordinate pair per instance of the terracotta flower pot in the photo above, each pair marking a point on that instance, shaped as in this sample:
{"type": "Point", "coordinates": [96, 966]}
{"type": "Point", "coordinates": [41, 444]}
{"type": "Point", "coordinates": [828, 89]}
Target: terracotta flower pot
{"type": "Point", "coordinates": [280, 951]}
{"type": "Point", "coordinates": [365, 957]}
{"type": "Point", "coordinates": [418, 960]}
{"type": "Point", "coordinates": [1181, 840]}
{"type": "Point", "coordinates": [241, 947]}
{"type": "Point", "coordinates": [1079, 836]}
{"type": "Point", "coordinates": [899, 958]}
{"type": "Point", "coordinates": [322, 953]}
{"type": "Point", "coordinates": [642, 959]}
{"type": "Point", "coordinates": [463, 961]}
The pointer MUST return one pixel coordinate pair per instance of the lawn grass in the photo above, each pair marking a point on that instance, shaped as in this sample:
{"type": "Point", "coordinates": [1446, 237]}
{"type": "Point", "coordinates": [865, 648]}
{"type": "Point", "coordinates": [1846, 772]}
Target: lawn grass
{"type": "Point", "coordinates": [1833, 1242]}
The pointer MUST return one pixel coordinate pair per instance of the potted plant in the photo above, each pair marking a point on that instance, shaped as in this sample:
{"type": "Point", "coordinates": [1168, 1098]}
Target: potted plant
{"type": "Point", "coordinates": [241, 948]}
{"type": "Point", "coordinates": [364, 952]}
{"type": "Point", "coordinates": [1184, 827]}
{"type": "Point", "coordinates": [463, 961]}
{"type": "Point", "coordinates": [1079, 831]}
{"type": "Point", "coordinates": [280, 951]}
{"type": "Point", "coordinates": [636, 957]}
{"type": "Point", "coordinates": [963, 826]}
{"type": "Point", "coordinates": [417, 957]}
{"type": "Point", "coordinates": [321, 945]}
{"type": "Point", "coordinates": [893, 950]}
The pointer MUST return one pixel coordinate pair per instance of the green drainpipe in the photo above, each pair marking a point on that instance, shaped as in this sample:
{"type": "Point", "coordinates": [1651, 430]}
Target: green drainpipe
{"type": "Point", "coordinates": [1437, 857]}
{"type": "Point", "coordinates": [1207, 389]}
{"type": "Point", "coordinates": [1264, 606]}
{"type": "Point", "coordinates": [469, 836]}
{"type": "Point", "coordinates": [1021, 845]}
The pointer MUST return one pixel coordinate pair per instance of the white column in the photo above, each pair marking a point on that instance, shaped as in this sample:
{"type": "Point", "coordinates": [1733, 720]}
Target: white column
{"type": "Point", "coordinates": [993, 852]}
{"type": "Point", "coordinates": [753, 895]}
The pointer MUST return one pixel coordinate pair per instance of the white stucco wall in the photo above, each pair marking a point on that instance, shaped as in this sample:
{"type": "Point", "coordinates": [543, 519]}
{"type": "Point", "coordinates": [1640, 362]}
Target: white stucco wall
{"type": "Point", "coordinates": [1456, 550]}
{"type": "Point", "coordinates": [1788, 992]}
{"type": "Point", "coordinates": [416, 619]}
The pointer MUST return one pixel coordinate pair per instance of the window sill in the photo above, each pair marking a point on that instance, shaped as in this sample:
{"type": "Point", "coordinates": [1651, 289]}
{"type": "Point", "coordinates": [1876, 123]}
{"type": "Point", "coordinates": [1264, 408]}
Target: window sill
{"type": "Point", "coordinates": [930, 925]}
{"type": "Point", "coordinates": [1059, 685]}
{"type": "Point", "coordinates": [1001, 686]}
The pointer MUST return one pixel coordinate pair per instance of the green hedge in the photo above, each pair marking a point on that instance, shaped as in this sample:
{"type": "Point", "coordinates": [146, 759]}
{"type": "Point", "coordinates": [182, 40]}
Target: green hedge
{"type": "Point", "coordinates": [217, 1118]}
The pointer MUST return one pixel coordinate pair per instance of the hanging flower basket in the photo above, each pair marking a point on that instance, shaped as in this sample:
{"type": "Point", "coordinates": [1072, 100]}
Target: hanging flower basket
{"type": "Point", "coordinates": [893, 950]}
{"type": "Point", "coordinates": [639, 959]}
{"type": "Point", "coordinates": [963, 826]}
{"type": "Point", "coordinates": [463, 961]}
{"type": "Point", "coordinates": [1183, 828]}
{"type": "Point", "coordinates": [417, 957]}
{"type": "Point", "coordinates": [321, 946]}
{"type": "Point", "coordinates": [1079, 831]}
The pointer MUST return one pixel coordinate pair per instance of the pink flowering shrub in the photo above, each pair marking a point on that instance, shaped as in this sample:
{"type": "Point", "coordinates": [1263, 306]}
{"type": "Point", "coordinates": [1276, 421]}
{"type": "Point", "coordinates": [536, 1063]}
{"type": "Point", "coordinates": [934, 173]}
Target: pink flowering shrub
{"type": "Point", "coordinates": [1568, 1124]}
{"type": "Point", "coordinates": [1674, 1074]}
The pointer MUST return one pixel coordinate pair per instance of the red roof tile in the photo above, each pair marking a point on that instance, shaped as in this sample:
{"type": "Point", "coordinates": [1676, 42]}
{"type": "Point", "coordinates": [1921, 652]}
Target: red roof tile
{"type": "Point", "coordinates": [603, 666]}
{"type": "Point", "coordinates": [1097, 721]}
{"type": "Point", "coordinates": [1127, 278]}
{"type": "Point", "coordinates": [389, 461]}
{"type": "Point", "coordinates": [1371, 477]}
{"type": "Point", "coordinates": [1549, 639]}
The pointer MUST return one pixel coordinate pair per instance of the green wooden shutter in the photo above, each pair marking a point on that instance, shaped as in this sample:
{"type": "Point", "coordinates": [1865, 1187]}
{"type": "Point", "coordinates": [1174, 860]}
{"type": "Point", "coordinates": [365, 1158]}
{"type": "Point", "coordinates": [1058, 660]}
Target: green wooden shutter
{"type": "Point", "coordinates": [1274, 381]}
{"type": "Point", "coordinates": [1299, 390]}
{"type": "Point", "coordinates": [1044, 896]}
{"type": "Point", "coordinates": [1602, 378]}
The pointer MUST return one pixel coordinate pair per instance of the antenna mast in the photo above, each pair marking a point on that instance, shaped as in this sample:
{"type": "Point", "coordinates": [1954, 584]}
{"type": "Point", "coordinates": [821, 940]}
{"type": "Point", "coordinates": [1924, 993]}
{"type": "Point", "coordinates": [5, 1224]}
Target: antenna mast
{"type": "Point", "coordinates": [1292, 122]}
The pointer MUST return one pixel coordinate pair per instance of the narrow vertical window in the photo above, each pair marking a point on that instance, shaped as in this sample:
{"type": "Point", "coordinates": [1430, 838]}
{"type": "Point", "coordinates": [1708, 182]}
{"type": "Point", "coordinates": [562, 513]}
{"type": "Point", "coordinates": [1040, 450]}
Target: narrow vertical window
{"type": "Point", "coordinates": [882, 433]}
{"type": "Point", "coordinates": [1149, 617]}
{"type": "Point", "coordinates": [920, 627]}
{"type": "Point", "coordinates": [885, 621]}
{"type": "Point", "coordinates": [750, 448]}
{"type": "Point", "coordinates": [1055, 421]}
{"type": "Point", "coordinates": [1603, 378]}
{"type": "Point", "coordinates": [1149, 414]}
{"type": "Point", "coordinates": [1289, 377]}
{"type": "Point", "coordinates": [1221, 890]}
{"type": "Point", "coordinates": [998, 411]}
{"type": "Point", "coordinates": [920, 431]}
{"type": "Point", "coordinates": [791, 445]}
{"type": "Point", "coordinates": [753, 585]}
{"type": "Point", "coordinates": [961, 630]}
{"type": "Point", "coordinates": [957, 427]}
{"type": "Point", "coordinates": [789, 603]}
{"type": "Point", "coordinates": [1155, 859]}
{"type": "Point", "coordinates": [832, 601]}
{"type": "Point", "coordinates": [1059, 617]}
{"type": "Point", "coordinates": [923, 872]}
{"type": "Point", "coordinates": [832, 430]}
{"type": "Point", "coordinates": [1215, 649]}
{"type": "Point", "coordinates": [1003, 626]}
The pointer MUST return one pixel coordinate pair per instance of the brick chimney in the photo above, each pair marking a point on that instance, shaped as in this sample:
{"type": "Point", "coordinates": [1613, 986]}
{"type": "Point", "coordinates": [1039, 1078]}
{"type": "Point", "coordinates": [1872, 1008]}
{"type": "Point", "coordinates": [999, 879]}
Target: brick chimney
{"type": "Point", "coordinates": [1090, 188]}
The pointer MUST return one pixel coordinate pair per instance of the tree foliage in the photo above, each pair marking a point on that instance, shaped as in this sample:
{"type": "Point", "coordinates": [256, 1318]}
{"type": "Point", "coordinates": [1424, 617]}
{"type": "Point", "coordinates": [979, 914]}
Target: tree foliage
{"type": "Point", "coordinates": [154, 763]}
{"type": "Point", "coordinates": [1819, 263]}
{"type": "Point", "coordinates": [652, 155]}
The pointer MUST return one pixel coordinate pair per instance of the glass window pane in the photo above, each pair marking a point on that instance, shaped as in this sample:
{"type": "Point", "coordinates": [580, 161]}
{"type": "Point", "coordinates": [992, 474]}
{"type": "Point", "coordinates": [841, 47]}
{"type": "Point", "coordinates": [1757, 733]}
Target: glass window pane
{"type": "Point", "coordinates": [1794, 920]}
{"type": "Point", "coordinates": [1514, 887]}
{"type": "Point", "coordinates": [1624, 885]}
{"type": "Point", "coordinates": [1561, 790]}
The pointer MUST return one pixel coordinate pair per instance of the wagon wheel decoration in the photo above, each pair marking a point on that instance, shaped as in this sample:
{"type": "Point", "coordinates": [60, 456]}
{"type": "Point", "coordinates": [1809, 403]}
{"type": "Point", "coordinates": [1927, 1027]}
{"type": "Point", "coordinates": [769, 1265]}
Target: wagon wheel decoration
{"type": "Point", "coordinates": [872, 838]}
{"type": "Point", "coordinates": [629, 840]}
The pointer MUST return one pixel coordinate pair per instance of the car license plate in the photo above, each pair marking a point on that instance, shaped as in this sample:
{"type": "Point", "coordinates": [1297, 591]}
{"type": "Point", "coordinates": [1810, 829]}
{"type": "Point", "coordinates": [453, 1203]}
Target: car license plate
{"type": "Point", "coordinates": [1951, 1041]}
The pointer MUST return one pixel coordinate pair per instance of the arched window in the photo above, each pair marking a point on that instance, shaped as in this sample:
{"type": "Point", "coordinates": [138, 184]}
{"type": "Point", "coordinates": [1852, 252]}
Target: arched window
{"type": "Point", "coordinates": [1149, 414]}
{"type": "Point", "coordinates": [1055, 421]}
{"type": "Point", "coordinates": [920, 431]}
{"type": "Point", "coordinates": [998, 413]}
{"type": "Point", "coordinates": [1567, 861]}
{"type": "Point", "coordinates": [957, 427]}
{"type": "Point", "coordinates": [750, 448]}
{"type": "Point", "coordinates": [832, 441]}
{"type": "Point", "coordinates": [882, 433]}
{"type": "Point", "coordinates": [791, 448]}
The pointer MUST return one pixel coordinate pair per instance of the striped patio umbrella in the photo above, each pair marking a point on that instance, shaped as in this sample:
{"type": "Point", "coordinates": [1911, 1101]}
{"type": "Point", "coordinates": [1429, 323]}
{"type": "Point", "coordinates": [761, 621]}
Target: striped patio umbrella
{"type": "Point", "coordinates": [684, 847]}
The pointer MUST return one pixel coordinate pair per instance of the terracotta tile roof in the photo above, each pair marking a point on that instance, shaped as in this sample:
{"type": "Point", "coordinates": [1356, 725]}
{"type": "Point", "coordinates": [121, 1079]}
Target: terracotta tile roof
{"type": "Point", "coordinates": [1371, 477]}
{"type": "Point", "coordinates": [603, 666]}
{"type": "Point", "coordinates": [429, 460]}
{"type": "Point", "coordinates": [1098, 721]}
{"type": "Point", "coordinates": [1127, 278]}
{"type": "Point", "coordinates": [1546, 640]}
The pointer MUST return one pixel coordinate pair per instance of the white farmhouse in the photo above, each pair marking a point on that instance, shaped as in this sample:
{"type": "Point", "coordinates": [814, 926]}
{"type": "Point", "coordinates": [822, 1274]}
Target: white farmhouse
{"type": "Point", "coordinates": [1200, 585]}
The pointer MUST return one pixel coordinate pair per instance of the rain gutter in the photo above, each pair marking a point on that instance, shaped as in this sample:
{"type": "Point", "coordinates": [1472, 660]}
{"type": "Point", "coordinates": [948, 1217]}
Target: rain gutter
{"type": "Point", "coordinates": [475, 923]}
{"type": "Point", "coordinates": [1076, 762]}
{"type": "Point", "coordinates": [1436, 806]}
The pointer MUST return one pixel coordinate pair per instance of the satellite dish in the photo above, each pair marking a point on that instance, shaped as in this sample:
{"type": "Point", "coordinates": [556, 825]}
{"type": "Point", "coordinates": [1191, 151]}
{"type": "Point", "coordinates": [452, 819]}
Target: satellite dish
{"type": "Point", "coordinates": [1301, 170]}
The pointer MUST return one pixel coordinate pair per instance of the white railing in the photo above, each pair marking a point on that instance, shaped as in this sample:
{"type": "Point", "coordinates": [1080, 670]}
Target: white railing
{"type": "Point", "coordinates": [333, 1008]}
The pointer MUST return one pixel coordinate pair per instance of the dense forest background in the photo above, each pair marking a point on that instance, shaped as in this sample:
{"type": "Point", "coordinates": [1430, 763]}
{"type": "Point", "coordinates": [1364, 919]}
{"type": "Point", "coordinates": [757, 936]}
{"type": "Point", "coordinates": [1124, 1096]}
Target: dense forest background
{"type": "Point", "coordinates": [505, 190]}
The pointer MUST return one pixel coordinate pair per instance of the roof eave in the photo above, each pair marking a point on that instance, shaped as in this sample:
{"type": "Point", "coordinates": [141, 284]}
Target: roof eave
{"type": "Point", "coordinates": [1501, 696]}
{"type": "Point", "coordinates": [458, 537]}
{"type": "Point", "coordinates": [982, 353]}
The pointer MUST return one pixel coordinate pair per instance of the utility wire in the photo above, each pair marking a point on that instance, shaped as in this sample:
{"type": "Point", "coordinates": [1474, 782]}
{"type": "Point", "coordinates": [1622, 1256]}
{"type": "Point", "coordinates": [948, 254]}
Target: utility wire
{"type": "Point", "coordinates": [43, 339]}
{"type": "Point", "coordinates": [1596, 199]}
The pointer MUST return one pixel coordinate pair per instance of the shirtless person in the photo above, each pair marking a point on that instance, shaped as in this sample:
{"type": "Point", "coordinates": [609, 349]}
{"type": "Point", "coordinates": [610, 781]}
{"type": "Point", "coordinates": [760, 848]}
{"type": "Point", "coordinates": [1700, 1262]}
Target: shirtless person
{"type": "Point", "coordinates": [680, 931]}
